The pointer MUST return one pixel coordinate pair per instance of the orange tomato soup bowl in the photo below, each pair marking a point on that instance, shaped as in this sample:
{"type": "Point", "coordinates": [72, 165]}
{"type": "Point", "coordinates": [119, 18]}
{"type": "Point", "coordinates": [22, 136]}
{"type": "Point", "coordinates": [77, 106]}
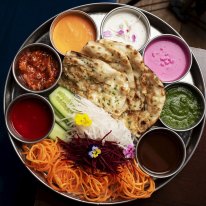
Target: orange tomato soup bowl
{"type": "Point", "coordinates": [71, 30]}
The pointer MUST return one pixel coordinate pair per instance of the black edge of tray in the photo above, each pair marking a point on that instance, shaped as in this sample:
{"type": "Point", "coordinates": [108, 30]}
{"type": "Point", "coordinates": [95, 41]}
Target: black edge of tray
{"type": "Point", "coordinates": [155, 21]}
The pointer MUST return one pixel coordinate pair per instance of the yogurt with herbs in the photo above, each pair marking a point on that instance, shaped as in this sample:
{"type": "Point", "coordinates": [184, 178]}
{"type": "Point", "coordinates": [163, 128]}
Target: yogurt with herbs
{"type": "Point", "coordinates": [127, 27]}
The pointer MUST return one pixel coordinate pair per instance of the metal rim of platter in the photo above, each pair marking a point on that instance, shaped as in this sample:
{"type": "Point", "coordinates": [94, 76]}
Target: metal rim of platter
{"type": "Point", "coordinates": [191, 138]}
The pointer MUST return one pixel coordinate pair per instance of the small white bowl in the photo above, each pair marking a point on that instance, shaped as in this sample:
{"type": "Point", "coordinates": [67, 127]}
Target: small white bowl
{"type": "Point", "coordinates": [117, 26]}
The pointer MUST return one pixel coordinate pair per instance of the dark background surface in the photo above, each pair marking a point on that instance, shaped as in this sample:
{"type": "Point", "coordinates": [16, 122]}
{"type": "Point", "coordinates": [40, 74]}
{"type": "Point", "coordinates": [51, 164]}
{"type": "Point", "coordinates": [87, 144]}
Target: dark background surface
{"type": "Point", "coordinates": [17, 186]}
{"type": "Point", "coordinates": [18, 18]}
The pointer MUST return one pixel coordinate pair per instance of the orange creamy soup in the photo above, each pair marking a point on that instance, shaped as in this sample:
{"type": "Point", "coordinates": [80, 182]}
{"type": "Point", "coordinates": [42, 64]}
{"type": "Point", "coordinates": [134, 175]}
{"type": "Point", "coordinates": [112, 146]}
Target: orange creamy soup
{"type": "Point", "coordinates": [72, 32]}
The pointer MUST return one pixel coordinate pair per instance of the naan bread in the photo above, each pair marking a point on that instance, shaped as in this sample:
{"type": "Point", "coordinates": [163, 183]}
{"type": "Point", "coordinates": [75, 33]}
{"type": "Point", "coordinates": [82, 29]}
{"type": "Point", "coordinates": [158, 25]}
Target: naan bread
{"type": "Point", "coordinates": [136, 61]}
{"type": "Point", "coordinates": [115, 55]}
{"type": "Point", "coordinates": [113, 76]}
{"type": "Point", "coordinates": [149, 89]}
{"type": "Point", "coordinates": [96, 81]}
{"type": "Point", "coordinates": [115, 58]}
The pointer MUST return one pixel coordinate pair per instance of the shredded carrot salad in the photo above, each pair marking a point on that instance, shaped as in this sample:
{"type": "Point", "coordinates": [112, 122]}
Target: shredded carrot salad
{"type": "Point", "coordinates": [41, 156]}
{"type": "Point", "coordinates": [62, 175]}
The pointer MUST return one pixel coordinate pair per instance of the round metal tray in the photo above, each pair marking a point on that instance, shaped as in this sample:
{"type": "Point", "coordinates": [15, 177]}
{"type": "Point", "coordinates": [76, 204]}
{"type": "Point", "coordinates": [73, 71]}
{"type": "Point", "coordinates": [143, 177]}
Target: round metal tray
{"type": "Point", "coordinates": [97, 12]}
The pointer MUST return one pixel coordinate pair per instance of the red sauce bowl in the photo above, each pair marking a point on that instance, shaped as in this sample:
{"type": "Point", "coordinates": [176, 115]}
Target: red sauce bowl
{"type": "Point", "coordinates": [37, 68]}
{"type": "Point", "coordinates": [30, 118]}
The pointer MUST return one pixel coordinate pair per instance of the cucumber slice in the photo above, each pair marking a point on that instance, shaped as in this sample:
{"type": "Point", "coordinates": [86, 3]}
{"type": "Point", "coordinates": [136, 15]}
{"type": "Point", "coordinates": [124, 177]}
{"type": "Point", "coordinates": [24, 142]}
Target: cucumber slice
{"type": "Point", "coordinates": [60, 98]}
{"type": "Point", "coordinates": [58, 119]}
{"type": "Point", "coordinates": [59, 132]}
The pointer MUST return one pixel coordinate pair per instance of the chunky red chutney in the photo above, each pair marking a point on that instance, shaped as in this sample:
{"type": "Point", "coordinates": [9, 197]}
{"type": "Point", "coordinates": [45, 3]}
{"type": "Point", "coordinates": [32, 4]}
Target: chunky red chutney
{"type": "Point", "coordinates": [38, 69]}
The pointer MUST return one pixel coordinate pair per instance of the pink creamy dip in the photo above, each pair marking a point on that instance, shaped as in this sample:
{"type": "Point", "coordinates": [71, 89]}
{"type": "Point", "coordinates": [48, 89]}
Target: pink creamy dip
{"type": "Point", "coordinates": [168, 58]}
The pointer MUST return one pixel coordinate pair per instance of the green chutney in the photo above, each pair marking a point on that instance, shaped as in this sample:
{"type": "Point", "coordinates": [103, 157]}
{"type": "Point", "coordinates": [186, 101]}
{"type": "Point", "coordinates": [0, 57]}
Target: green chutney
{"type": "Point", "coordinates": [182, 109]}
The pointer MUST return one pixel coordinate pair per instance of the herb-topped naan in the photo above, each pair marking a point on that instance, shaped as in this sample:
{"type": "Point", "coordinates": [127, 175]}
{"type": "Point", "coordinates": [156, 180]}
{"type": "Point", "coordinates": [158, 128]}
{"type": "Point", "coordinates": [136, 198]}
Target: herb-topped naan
{"type": "Point", "coordinates": [147, 103]}
{"type": "Point", "coordinates": [115, 58]}
{"type": "Point", "coordinates": [96, 81]}
{"type": "Point", "coordinates": [113, 76]}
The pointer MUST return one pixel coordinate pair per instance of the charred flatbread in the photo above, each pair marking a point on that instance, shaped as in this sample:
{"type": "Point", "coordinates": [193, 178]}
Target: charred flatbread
{"type": "Point", "coordinates": [149, 97]}
{"type": "Point", "coordinates": [148, 88]}
{"type": "Point", "coordinates": [115, 58]}
{"type": "Point", "coordinates": [96, 81]}
{"type": "Point", "coordinates": [113, 76]}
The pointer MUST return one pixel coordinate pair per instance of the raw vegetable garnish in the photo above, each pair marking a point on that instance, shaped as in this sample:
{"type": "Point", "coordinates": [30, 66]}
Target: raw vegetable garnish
{"type": "Point", "coordinates": [84, 117]}
{"type": "Point", "coordinates": [95, 154]}
{"type": "Point", "coordinates": [48, 157]}
{"type": "Point", "coordinates": [97, 163]}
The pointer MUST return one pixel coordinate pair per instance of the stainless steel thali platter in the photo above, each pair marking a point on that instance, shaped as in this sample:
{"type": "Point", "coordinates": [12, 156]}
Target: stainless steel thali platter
{"type": "Point", "coordinates": [97, 12]}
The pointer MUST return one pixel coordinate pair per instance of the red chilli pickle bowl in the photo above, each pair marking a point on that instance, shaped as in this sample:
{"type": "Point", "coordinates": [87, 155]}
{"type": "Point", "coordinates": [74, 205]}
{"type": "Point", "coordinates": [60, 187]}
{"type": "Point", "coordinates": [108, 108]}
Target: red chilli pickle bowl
{"type": "Point", "coordinates": [37, 68]}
